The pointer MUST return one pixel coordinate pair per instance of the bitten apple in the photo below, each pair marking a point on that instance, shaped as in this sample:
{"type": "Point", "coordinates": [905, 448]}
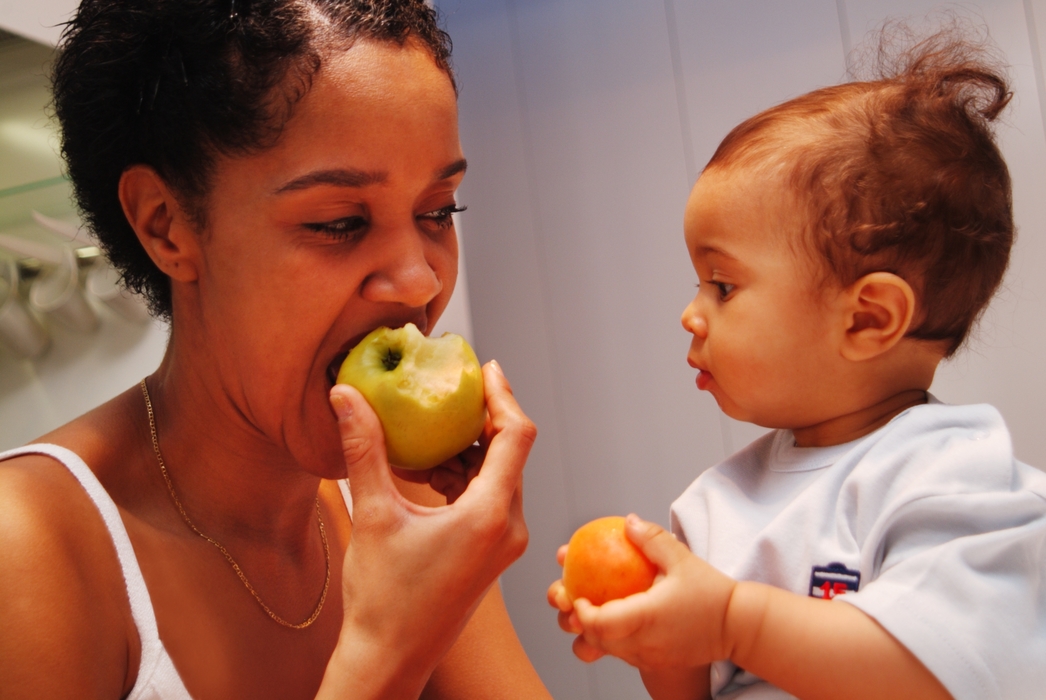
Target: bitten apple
{"type": "Point", "coordinates": [602, 563]}
{"type": "Point", "coordinates": [427, 392]}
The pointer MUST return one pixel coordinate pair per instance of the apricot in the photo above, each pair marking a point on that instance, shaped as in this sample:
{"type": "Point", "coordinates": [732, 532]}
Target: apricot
{"type": "Point", "coordinates": [602, 563]}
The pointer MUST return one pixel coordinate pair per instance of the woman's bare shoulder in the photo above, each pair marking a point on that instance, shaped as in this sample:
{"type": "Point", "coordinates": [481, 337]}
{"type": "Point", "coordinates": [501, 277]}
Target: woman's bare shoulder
{"type": "Point", "coordinates": [67, 629]}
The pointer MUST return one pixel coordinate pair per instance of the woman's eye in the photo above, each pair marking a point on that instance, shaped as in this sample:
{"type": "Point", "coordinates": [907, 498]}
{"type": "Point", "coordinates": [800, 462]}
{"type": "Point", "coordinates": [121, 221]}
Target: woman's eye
{"type": "Point", "coordinates": [349, 228]}
{"type": "Point", "coordinates": [442, 217]}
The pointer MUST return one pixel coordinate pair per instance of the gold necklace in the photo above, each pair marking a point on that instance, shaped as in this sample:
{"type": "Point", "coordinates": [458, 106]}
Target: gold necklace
{"type": "Point", "coordinates": [222, 549]}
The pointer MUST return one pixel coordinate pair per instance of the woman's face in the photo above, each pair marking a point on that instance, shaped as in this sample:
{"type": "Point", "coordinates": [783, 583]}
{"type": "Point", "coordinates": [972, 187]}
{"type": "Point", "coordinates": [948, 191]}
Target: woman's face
{"type": "Point", "coordinates": [345, 225]}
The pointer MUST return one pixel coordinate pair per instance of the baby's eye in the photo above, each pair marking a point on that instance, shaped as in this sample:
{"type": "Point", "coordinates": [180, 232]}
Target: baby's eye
{"type": "Point", "coordinates": [442, 217]}
{"type": "Point", "coordinates": [724, 289]}
{"type": "Point", "coordinates": [349, 228]}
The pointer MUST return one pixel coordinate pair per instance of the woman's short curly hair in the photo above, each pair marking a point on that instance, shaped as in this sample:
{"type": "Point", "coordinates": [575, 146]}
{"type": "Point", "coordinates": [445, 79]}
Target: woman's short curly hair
{"type": "Point", "coordinates": [174, 84]}
{"type": "Point", "coordinates": [900, 173]}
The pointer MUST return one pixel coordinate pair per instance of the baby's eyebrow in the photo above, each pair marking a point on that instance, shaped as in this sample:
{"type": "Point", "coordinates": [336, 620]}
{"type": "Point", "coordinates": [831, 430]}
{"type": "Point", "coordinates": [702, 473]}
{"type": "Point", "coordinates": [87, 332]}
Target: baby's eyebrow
{"type": "Point", "coordinates": [705, 250]}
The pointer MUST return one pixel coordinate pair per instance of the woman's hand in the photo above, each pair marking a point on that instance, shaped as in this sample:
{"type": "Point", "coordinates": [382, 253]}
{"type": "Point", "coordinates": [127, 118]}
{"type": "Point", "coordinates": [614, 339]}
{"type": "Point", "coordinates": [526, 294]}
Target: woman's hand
{"type": "Point", "coordinates": [451, 478]}
{"type": "Point", "coordinates": [413, 575]}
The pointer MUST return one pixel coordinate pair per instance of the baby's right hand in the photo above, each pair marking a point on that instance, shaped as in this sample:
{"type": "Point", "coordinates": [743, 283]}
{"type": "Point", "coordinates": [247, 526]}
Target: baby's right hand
{"type": "Point", "coordinates": [677, 623]}
{"type": "Point", "coordinates": [559, 598]}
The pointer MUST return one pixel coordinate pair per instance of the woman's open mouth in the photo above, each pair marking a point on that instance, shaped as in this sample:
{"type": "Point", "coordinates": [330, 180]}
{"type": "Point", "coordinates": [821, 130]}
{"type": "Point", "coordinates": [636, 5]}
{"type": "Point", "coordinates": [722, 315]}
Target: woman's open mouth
{"type": "Point", "coordinates": [334, 367]}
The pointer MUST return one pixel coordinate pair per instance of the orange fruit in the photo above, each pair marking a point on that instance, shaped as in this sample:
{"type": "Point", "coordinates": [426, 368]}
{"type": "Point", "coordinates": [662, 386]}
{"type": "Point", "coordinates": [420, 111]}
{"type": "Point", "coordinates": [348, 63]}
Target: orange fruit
{"type": "Point", "coordinates": [602, 563]}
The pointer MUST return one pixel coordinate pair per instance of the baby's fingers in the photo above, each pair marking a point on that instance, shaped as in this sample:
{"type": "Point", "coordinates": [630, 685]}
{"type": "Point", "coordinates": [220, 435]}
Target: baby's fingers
{"type": "Point", "coordinates": [568, 622]}
{"type": "Point", "coordinates": [558, 597]}
{"type": "Point", "coordinates": [585, 651]}
{"type": "Point", "coordinates": [616, 619]}
{"type": "Point", "coordinates": [659, 545]}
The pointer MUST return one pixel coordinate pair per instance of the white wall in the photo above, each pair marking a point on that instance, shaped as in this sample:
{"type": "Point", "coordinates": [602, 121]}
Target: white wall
{"type": "Point", "coordinates": [585, 122]}
{"type": "Point", "coordinates": [39, 20]}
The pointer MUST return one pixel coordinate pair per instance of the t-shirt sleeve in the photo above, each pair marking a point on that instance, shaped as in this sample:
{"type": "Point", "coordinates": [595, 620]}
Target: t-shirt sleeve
{"type": "Point", "coordinates": [960, 577]}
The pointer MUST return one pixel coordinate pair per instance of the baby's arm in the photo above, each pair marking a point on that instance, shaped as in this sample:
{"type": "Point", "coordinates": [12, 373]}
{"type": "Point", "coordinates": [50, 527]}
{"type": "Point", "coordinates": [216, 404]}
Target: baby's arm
{"type": "Point", "coordinates": [694, 614]}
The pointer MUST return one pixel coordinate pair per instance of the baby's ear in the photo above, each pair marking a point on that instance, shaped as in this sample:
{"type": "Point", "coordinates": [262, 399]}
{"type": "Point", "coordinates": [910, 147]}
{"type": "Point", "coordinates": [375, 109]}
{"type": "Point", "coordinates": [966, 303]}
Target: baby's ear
{"type": "Point", "coordinates": [158, 219]}
{"type": "Point", "coordinates": [879, 308]}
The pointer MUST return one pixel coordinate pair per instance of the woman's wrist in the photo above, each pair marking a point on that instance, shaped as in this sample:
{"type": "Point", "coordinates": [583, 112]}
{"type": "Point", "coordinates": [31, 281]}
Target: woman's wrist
{"type": "Point", "coordinates": [364, 669]}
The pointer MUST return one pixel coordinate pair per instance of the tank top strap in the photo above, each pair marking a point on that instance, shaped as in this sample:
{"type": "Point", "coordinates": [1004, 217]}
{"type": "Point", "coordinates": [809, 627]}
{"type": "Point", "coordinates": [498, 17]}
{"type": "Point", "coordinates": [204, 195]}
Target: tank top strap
{"type": "Point", "coordinates": [157, 677]}
{"type": "Point", "coordinates": [346, 494]}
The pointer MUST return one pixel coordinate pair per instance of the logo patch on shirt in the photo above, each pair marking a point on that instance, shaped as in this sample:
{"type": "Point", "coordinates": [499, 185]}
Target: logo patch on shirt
{"type": "Point", "coordinates": [835, 579]}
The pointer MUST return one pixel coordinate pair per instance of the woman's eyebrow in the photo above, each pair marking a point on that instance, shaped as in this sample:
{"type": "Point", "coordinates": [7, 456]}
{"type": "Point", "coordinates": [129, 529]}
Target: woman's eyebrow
{"type": "Point", "coordinates": [452, 170]}
{"type": "Point", "coordinates": [338, 178]}
{"type": "Point", "coordinates": [357, 178]}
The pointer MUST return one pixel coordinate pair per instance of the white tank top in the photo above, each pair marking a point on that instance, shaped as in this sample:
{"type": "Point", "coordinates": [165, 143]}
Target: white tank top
{"type": "Point", "coordinates": [157, 677]}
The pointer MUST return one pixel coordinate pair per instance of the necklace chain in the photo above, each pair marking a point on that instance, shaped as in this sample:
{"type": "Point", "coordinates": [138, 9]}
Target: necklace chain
{"type": "Point", "coordinates": [221, 548]}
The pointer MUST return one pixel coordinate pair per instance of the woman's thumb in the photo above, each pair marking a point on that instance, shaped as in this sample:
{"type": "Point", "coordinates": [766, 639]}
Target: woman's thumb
{"type": "Point", "coordinates": [657, 543]}
{"type": "Point", "coordinates": [362, 442]}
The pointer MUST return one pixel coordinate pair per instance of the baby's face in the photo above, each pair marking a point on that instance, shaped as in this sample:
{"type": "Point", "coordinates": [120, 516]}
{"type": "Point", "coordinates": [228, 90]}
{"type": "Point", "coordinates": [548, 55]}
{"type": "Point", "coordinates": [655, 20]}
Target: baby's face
{"type": "Point", "coordinates": [763, 327]}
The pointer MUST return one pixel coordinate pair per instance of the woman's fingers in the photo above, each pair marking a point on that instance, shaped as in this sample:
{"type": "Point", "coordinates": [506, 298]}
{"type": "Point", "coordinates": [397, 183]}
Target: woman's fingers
{"type": "Point", "coordinates": [363, 445]}
{"type": "Point", "coordinates": [511, 436]}
{"type": "Point", "coordinates": [416, 476]}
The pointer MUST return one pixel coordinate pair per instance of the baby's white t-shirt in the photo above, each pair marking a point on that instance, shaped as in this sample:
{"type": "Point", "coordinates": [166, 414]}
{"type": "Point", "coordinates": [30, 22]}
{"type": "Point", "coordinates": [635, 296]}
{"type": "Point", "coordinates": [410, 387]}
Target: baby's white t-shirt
{"type": "Point", "coordinates": [929, 525]}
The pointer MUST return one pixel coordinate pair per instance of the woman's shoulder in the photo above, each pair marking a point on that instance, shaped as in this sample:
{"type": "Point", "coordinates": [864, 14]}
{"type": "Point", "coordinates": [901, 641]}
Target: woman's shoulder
{"type": "Point", "coordinates": [62, 594]}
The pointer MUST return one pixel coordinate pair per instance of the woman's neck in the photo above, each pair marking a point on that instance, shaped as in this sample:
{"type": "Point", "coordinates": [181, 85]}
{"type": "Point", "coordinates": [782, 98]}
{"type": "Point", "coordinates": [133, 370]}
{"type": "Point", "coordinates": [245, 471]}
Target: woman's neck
{"type": "Point", "coordinates": [233, 481]}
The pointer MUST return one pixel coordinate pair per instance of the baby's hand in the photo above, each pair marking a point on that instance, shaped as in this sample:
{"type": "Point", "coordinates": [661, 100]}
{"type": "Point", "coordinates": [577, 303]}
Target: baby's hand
{"type": "Point", "coordinates": [678, 623]}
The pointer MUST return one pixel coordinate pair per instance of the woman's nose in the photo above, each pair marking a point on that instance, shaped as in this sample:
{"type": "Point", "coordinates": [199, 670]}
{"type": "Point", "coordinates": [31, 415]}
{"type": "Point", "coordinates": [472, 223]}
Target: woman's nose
{"type": "Point", "coordinates": [405, 275]}
{"type": "Point", "coordinates": [694, 321]}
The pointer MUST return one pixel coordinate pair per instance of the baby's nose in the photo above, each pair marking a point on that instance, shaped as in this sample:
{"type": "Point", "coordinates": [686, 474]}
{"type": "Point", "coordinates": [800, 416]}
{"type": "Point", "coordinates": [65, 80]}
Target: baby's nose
{"type": "Point", "coordinates": [693, 322]}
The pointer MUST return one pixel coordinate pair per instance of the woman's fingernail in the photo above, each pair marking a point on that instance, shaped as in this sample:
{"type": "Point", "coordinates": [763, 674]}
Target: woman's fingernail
{"type": "Point", "coordinates": [342, 408]}
{"type": "Point", "coordinates": [497, 367]}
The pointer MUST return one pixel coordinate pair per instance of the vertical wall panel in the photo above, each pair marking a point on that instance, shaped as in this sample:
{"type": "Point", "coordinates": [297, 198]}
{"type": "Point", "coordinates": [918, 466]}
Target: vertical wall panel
{"type": "Point", "coordinates": [572, 106]}
{"type": "Point", "coordinates": [610, 167]}
{"type": "Point", "coordinates": [509, 311]}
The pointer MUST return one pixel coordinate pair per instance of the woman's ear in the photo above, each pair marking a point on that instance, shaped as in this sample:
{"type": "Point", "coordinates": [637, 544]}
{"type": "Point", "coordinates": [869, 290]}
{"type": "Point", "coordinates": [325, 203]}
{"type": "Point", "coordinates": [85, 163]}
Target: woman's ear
{"type": "Point", "coordinates": [161, 224]}
{"type": "Point", "coordinates": [879, 311]}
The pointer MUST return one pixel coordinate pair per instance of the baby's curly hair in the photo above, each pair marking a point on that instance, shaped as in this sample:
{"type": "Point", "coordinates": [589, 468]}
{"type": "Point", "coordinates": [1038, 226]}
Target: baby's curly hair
{"type": "Point", "coordinates": [174, 84]}
{"type": "Point", "coordinates": [901, 173]}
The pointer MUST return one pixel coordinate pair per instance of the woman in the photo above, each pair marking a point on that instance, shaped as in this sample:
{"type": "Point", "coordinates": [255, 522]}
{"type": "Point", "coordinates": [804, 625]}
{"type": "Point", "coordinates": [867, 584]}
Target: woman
{"type": "Point", "coordinates": [278, 179]}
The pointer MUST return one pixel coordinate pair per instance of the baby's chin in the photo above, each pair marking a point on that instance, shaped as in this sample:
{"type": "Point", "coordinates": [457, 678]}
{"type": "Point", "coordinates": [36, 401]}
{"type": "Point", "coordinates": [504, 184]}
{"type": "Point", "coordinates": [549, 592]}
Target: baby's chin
{"type": "Point", "coordinates": [759, 416]}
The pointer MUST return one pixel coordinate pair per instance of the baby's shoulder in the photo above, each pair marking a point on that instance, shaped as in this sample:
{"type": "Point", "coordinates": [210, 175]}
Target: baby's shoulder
{"type": "Point", "coordinates": [960, 453]}
{"type": "Point", "coordinates": [957, 443]}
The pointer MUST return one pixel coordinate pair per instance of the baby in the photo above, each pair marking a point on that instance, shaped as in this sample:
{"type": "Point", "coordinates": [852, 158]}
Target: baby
{"type": "Point", "coordinates": [877, 543]}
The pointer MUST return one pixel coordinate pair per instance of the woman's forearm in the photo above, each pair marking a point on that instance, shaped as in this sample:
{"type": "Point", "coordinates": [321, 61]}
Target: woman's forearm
{"type": "Point", "coordinates": [361, 669]}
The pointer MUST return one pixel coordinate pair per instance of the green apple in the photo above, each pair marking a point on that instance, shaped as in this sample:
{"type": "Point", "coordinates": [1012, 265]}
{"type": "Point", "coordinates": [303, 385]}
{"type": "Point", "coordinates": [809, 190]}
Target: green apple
{"type": "Point", "coordinates": [427, 392]}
